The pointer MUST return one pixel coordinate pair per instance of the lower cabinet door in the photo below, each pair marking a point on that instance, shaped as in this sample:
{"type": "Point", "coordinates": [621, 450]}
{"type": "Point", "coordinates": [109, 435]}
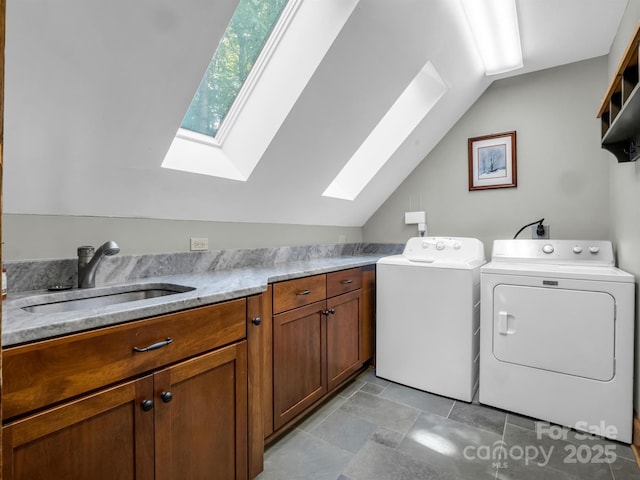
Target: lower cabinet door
{"type": "Point", "coordinates": [105, 436]}
{"type": "Point", "coordinates": [201, 417]}
{"type": "Point", "coordinates": [299, 361]}
{"type": "Point", "coordinates": [343, 334]}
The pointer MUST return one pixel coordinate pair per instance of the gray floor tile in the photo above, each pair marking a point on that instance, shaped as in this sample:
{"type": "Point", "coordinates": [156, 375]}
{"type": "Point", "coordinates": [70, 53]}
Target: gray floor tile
{"type": "Point", "coordinates": [584, 461]}
{"type": "Point", "coordinates": [321, 413]}
{"type": "Point", "coordinates": [521, 421]}
{"type": "Point", "coordinates": [624, 451]}
{"type": "Point", "coordinates": [427, 402]}
{"type": "Point", "coordinates": [352, 388]}
{"type": "Point", "coordinates": [301, 456]}
{"type": "Point", "coordinates": [451, 446]}
{"type": "Point", "coordinates": [518, 470]}
{"type": "Point", "coordinates": [381, 430]}
{"type": "Point", "coordinates": [369, 376]}
{"type": "Point", "coordinates": [381, 412]}
{"type": "Point", "coordinates": [479, 416]}
{"type": "Point", "coordinates": [345, 431]}
{"type": "Point", "coordinates": [377, 462]}
{"type": "Point", "coordinates": [387, 437]}
{"type": "Point", "coordinates": [624, 469]}
{"type": "Point", "coordinates": [372, 388]}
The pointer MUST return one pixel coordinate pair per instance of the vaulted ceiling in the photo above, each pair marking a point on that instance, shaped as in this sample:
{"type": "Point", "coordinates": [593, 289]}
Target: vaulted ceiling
{"type": "Point", "coordinates": [95, 92]}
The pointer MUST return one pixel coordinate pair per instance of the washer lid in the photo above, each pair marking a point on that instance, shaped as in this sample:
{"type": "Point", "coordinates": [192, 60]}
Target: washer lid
{"type": "Point", "coordinates": [440, 252]}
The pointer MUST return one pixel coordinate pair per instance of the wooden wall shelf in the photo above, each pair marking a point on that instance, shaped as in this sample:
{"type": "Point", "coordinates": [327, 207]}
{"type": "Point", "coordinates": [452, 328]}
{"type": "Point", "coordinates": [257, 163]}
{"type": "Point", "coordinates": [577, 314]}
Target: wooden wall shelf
{"type": "Point", "coordinates": [619, 110]}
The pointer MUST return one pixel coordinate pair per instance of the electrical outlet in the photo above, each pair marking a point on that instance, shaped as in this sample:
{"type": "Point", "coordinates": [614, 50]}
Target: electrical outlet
{"type": "Point", "coordinates": [199, 244]}
{"type": "Point", "coordinates": [534, 233]}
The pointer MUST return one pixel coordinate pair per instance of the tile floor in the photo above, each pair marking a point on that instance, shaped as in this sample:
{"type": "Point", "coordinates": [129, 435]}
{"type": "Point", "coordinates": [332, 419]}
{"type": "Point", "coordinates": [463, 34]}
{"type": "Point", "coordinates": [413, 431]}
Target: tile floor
{"type": "Point", "coordinates": [378, 430]}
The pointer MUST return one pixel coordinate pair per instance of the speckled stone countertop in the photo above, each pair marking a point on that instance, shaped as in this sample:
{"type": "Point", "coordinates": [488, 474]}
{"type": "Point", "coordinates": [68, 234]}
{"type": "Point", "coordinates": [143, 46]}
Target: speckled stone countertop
{"type": "Point", "coordinates": [20, 326]}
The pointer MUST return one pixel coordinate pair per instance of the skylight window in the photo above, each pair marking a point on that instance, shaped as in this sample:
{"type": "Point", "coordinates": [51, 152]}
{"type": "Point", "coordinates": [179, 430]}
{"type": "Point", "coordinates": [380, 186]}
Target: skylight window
{"type": "Point", "coordinates": [401, 119]}
{"type": "Point", "coordinates": [264, 101]}
{"type": "Point", "coordinates": [237, 52]}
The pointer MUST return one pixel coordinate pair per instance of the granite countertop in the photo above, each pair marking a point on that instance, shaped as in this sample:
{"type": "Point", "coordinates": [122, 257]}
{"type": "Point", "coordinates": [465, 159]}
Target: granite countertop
{"type": "Point", "coordinates": [20, 326]}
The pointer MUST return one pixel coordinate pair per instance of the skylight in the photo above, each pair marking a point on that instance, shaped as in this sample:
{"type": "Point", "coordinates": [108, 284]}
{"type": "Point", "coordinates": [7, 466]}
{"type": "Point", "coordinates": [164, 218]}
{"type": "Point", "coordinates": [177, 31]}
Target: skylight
{"type": "Point", "coordinates": [237, 52]}
{"type": "Point", "coordinates": [494, 25]}
{"type": "Point", "coordinates": [265, 100]}
{"type": "Point", "coordinates": [401, 119]}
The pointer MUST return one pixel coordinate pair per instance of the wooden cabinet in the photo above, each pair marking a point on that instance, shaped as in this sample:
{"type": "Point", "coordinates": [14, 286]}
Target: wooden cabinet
{"type": "Point", "coordinates": [343, 337]}
{"type": "Point", "coordinates": [174, 412]}
{"type": "Point", "coordinates": [316, 340]}
{"type": "Point", "coordinates": [103, 436]}
{"type": "Point", "coordinates": [299, 361]}
{"type": "Point", "coordinates": [368, 314]}
{"type": "Point", "coordinates": [201, 428]}
{"type": "Point", "coordinates": [619, 110]}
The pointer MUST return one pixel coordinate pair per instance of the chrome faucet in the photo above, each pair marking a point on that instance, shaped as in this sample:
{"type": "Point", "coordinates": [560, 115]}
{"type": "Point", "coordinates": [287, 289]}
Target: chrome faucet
{"type": "Point", "coordinates": [89, 259]}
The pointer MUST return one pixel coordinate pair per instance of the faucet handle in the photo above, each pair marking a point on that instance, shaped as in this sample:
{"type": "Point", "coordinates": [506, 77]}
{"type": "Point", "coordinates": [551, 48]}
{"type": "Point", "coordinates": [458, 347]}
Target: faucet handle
{"type": "Point", "coordinates": [86, 250]}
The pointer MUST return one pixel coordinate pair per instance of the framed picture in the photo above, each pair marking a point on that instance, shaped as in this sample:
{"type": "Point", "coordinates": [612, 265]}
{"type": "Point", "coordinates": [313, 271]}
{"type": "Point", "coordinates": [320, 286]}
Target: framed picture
{"type": "Point", "coordinates": [492, 161]}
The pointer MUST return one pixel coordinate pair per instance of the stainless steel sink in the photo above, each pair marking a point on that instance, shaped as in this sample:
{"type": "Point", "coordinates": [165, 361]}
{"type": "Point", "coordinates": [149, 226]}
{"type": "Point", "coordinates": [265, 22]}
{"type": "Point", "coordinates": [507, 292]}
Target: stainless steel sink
{"type": "Point", "coordinates": [102, 299]}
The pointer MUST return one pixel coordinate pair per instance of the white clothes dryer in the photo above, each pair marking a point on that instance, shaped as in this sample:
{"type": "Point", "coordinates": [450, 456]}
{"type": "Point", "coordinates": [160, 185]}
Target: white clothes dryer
{"type": "Point", "coordinates": [428, 315]}
{"type": "Point", "coordinates": [557, 334]}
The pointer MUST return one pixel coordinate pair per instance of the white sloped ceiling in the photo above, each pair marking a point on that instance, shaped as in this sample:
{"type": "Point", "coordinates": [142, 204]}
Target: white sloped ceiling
{"type": "Point", "coordinates": [95, 92]}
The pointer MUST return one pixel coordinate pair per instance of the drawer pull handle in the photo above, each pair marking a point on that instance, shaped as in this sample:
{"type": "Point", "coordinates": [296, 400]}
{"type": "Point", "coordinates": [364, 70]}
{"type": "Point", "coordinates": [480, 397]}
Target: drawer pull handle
{"type": "Point", "coordinates": [346, 282]}
{"type": "Point", "coordinates": [154, 346]}
{"type": "Point", "coordinates": [304, 292]}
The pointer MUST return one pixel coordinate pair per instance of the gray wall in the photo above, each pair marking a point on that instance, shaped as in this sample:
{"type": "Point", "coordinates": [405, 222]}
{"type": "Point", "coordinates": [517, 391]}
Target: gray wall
{"type": "Point", "coordinates": [563, 174]}
{"type": "Point", "coordinates": [625, 187]}
{"type": "Point", "coordinates": [49, 236]}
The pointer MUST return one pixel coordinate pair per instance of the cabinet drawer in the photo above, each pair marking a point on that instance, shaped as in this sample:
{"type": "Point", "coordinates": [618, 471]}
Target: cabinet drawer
{"type": "Point", "coordinates": [299, 292]}
{"type": "Point", "coordinates": [50, 371]}
{"type": "Point", "coordinates": [343, 281]}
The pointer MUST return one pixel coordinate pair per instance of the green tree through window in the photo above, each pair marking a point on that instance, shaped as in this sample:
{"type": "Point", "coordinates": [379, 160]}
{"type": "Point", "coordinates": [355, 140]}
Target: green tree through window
{"type": "Point", "coordinates": [244, 39]}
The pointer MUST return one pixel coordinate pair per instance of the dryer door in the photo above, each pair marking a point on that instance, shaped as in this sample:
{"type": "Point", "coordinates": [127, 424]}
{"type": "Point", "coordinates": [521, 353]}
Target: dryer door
{"type": "Point", "coordinates": [560, 330]}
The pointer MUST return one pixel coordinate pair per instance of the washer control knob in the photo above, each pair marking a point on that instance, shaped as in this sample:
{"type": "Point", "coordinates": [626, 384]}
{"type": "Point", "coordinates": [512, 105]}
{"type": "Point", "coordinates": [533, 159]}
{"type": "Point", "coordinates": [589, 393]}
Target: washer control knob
{"type": "Point", "coordinates": [440, 246]}
{"type": "Point", "coordinates": [548, 248]}
{"type": "Point", "coordinates": [456, 246]}
{"type": "Point", "coordinates": [594, 249]}
{"type": "Point", "coordinates": [577, 249]}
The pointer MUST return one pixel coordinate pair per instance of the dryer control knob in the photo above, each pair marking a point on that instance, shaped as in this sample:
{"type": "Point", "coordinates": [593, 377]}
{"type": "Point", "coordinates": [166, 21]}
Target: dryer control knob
{"type": "Point", "coordinates": [548, 248]}
{"type": "Point", "coordinates": [456, 246]}
{"type": "Point", "coordinates": [440, 246]}
{"type": "Point", "coordinates": [577, 249]}
{"type": "Point", "coordinates": [594, 249]}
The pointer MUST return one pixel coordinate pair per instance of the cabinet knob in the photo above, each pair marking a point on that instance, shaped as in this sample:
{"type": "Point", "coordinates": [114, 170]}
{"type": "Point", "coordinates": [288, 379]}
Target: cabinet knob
{"type": "Point", "coordinates": [166, 397]}
{"type": "Point", "coordinates": [146, 405]}
{"type": "Point", "coordinates": [332, 311]}
{"type": "Point", "coordinates": [256, 321]}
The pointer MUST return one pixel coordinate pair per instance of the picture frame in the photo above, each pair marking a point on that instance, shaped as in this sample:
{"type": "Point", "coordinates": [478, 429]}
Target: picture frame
{"type": "Point", "coordinates": [492, 161]}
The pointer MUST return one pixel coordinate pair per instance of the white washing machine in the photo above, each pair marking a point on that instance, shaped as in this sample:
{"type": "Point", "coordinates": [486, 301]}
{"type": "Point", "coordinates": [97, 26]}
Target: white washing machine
{"type": "Point", "coordinates": [557, 322]}
{"type": "Point", "coordinates": [428, 315]}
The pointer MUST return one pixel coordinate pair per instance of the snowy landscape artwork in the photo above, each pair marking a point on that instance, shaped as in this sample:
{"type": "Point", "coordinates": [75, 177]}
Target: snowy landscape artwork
{"type": "Point", "coordinates": [492, 161]}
